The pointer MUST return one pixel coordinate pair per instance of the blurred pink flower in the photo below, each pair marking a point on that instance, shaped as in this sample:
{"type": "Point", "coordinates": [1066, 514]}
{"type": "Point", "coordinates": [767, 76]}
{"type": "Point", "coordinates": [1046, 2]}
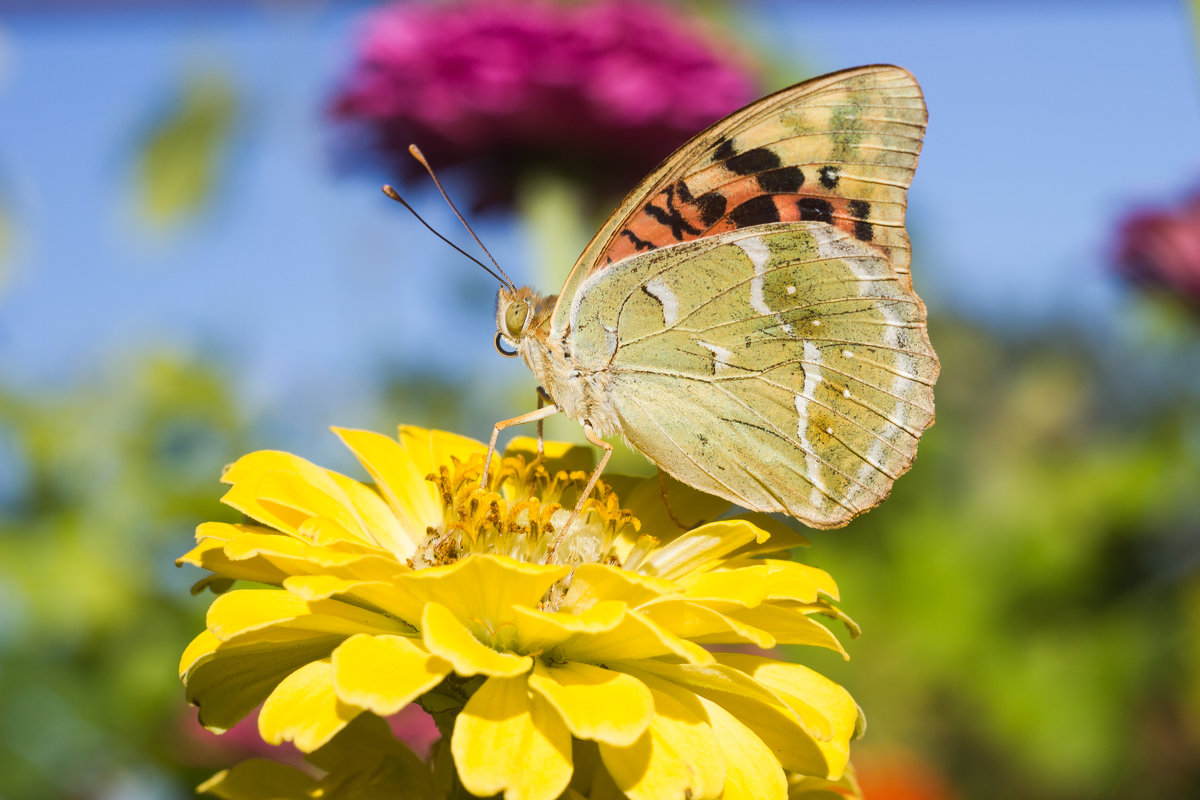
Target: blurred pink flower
{"type": "Point", "coordinates": [1161, 248]}
{"type": "Point", "coordinates": [596, 90]}
{"type": "Point", "coordinates": [202, 747]}
{"type": "Point", "coordinates": [197, 746]}
{"type": "Point", "coordinates": [415, 728]}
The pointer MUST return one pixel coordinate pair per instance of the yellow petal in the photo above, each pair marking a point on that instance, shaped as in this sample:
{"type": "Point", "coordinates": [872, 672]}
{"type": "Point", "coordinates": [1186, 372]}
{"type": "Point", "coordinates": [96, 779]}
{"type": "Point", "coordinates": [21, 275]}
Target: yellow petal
{"type": "Point", "coordinates": [633, 637]}
{"type": "Point", "coordinates": [291, 496]}
{"type": "Point", "coordinates": [249, 609]}
{"type": "Point", "coordinates": [793, 740]}
{"type": "Point", "coordinates": [826, 709]}
{"type": "Point", "coordinates": [384, 673]}
{"type": "Point", "coordinates": [243, 496]}
{"type": "Point", "coordinates": [304, 709]}
{"type": "Point", "coordinates": [698, 623]}
{"type": "Point", "coordinates": [244, 610]}
{"type": "Point", "coordinates": [446, 636]}
{"type": "Point", "coordinates": [677, 756]}
{"type": "Point", "coordinates": [484, 590]}
{"type": "Point", "coordinates": [751, 770]}
{"type": "Point", "coordinates": [745, 587]}
{"type": "Point", "coordinates": [228, 681]}
{"type": "Point", "coordinates": [783, 537]}
{"type": "Point", "coordinates": [259, 779]}
{"type": "Point", "coordinates": [509, 740]}
{"type": "Point", "coordinates": [544, 630]}
{"type": "Point", "coordinates": [700, 549]}
{"type": "Point", "coordinates": [377, 518]}
{"type": "Point", "coordinates": [789, 580]}
{"type": "Point", "coordinates": [430, 449]}
{"type": "Point", "coordinates": [412, 499]}
{"type": "Point", "coordinates": [227, 531]}
{"type": "Point", "coordinates": [789, 626]}
{"type": "Point", "coordinates": [204, 644]}
{"type": "Point", "coordinates": [596, 583]}
{"type": "Point", "coordinates": [389, 597]}
{"type": "Point", "coordinates": [210, 555]}
{"type": "Point", "coordinates": [311, 487]}
{"type": "Point", "coordinates": [288, 554]}
{"type": "Point", "coordinates": [595, 703]}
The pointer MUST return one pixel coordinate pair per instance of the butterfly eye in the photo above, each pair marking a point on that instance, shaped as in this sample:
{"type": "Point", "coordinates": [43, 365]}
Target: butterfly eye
{"type": "Point", "coordinates": [514, 317]}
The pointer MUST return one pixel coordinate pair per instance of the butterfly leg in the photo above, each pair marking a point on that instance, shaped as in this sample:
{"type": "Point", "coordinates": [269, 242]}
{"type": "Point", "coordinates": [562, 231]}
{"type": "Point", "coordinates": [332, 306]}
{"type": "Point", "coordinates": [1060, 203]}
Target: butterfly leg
{"type": "Point", "coordinates": [532, 416]}
{"type": "Point", "coordinates": [591, 436]}
{"type": "Point", "coordinates": [542, 397]}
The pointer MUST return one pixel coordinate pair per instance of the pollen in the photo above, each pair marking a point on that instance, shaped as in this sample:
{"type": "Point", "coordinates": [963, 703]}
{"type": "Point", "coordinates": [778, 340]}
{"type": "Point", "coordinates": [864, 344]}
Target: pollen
{"type": "Point", "coordinates": [519, 513]}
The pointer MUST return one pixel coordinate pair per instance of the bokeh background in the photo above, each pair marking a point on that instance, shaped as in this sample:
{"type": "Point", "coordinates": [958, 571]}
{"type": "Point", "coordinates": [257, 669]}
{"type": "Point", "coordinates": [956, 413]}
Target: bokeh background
{"type": "Point", "coordinates": [196, 260]}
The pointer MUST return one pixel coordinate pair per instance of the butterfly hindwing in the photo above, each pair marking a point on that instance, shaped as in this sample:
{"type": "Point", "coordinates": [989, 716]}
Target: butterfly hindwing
{"type": "Point", "coordinates": [839, 149]}
{"type": "Point", "coordinates": [785, 367]}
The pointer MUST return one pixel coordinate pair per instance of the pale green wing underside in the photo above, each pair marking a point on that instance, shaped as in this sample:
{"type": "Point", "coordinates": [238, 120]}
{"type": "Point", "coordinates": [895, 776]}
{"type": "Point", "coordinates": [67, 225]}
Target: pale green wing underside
{"type": "Point", "coordinates": [785, 367]}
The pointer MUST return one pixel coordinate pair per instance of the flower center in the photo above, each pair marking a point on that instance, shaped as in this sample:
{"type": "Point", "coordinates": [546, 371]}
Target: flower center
{"type": "Point", "coordinates": [520, 513]}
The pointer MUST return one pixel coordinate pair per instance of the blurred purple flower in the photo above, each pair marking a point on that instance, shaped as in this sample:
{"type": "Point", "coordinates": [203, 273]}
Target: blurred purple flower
{"type": "Point", "coordinates": [595, 90]}
{"type": "Point", "coordinates": [1161, 248]}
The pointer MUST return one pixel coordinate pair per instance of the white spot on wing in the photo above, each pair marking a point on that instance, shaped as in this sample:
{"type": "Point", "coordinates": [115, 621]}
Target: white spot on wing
{"type": "Point", "coordinates": [759, 254]}
{"type": "Point", "coordinates": [610, 339]}
{"type": "Point", "coordinates": [660, 291]}
{"type": "Point", "coordinates": [720, 356]}
{"type": "Point", "coordinates": [812, 465]}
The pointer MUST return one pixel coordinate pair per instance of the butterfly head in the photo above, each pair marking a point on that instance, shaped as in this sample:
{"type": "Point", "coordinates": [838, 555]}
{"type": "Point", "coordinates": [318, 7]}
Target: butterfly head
{"type": "Point", "coordinates": [518, 313]}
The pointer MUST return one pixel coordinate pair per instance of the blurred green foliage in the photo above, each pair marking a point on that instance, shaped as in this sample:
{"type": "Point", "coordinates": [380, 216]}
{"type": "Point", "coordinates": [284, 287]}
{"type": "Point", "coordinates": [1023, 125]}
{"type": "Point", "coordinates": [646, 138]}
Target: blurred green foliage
{"type": "Point", "coordinates": [101, 485]}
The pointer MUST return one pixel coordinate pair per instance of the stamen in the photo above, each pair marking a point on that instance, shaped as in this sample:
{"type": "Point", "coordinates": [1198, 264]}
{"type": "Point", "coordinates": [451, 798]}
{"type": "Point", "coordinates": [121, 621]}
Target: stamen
{"type": "Point", "coordinates": [516, 515]}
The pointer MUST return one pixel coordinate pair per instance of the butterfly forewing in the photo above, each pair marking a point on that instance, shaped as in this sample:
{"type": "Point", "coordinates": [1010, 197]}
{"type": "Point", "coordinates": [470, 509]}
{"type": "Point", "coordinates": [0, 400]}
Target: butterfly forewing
{"type": "Point", "coordinates": [839, 149]}
{"type": "Point", "coordinates": [785, 367]}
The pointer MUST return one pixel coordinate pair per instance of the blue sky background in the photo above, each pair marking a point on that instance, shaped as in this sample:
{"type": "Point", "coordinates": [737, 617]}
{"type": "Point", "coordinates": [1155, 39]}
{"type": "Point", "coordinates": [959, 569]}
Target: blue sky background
{"type": "Point", "coordinates": [1047, 122]}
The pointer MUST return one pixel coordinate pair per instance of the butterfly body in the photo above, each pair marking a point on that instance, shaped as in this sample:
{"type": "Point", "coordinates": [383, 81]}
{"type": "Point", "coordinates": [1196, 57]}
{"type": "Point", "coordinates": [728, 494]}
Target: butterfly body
{"type": "Point", "coordinates": [579, 391]}
{"type": "Point", "coordinates": [746, 318]}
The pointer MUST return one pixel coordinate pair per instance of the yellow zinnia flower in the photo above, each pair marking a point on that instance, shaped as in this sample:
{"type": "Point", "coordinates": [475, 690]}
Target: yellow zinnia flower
{"type": "Point", "coordinates": [551, 659]}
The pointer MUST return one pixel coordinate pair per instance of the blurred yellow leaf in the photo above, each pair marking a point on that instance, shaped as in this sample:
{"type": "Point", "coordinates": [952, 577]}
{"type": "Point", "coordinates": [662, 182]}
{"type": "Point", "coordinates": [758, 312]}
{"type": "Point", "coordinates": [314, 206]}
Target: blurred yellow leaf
{"type": "Point", "coordinates": [180, 159]}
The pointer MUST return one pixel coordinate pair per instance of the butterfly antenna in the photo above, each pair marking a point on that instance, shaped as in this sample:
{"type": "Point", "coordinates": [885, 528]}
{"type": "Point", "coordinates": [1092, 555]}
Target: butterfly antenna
{"type": "Point", "coordinates": [420, 157]}
{"type": "Point", "coordinates": [392, 193]}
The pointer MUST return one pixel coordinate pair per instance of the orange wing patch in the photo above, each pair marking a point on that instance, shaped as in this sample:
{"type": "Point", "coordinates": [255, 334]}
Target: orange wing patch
{"type": "Point", "coordinates": [738, 191]}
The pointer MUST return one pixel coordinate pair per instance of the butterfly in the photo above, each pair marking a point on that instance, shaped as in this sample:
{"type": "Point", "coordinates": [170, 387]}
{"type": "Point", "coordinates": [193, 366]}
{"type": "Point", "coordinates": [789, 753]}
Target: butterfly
{"type": "Point", "coordinates": [746, 318]}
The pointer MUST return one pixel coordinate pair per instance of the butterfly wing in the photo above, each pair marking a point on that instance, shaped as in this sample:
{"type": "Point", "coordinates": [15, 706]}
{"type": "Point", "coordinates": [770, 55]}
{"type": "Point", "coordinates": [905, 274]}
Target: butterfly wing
{"type": "Point", "coordinates": [784, 367]}
{"type": "Point", "coordinates": [839, 149]}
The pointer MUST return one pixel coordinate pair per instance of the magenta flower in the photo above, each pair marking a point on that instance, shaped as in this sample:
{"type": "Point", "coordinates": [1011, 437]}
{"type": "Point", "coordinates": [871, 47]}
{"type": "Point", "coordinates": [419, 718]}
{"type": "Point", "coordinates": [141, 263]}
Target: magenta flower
{"type": "Point", "coordinates": [596, 89]}
{"type": "Point", "coordinates": [1161, 248]}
